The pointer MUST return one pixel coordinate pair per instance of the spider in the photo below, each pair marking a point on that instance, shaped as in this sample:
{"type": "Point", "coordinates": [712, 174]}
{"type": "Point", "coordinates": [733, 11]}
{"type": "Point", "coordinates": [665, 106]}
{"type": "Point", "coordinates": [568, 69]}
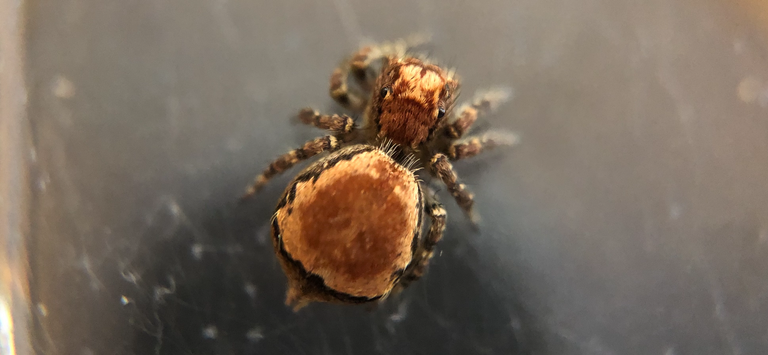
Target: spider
{"type": "Point", "coordinates": [348, 229]}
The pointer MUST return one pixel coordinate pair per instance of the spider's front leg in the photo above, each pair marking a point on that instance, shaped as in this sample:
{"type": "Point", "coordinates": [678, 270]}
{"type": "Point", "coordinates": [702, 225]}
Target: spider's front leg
{"type": "Point", "coordinates": [443, 169]}
{"type": "Point", "coordinates": [360, 64]}
{"type": "Point", "coordinates": [484, 102]}
{"type": "Point", "coordinates": [478, 144]}
{"type": "Point", "coordinates": [335, 123]}
{"type": "Point", "coordinates": [288, 160]}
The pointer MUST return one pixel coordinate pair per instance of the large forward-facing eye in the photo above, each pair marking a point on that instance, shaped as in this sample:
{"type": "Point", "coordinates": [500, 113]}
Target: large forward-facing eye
{"type": "Point", "coordinates": [385, 91]}
{"type": "Point", "coordinates": [440, 112]}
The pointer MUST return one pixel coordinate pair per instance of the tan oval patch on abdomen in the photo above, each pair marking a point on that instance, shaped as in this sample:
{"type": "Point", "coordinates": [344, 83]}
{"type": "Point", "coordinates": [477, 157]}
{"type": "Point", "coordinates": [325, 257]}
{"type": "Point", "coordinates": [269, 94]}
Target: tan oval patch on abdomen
{"type": "Point", "coordinates": [354, 223]}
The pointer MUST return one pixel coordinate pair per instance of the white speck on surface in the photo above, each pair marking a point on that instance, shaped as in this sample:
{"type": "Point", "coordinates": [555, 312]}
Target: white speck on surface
{"type": "Point", "coordinates": [210, 332]}
{"type": "Point", "coordinates": [762, 99]}
{"type": "Point", "coordinates": [402, 312]}
{"type": "Point", "coordinates": [250, 290]}
{"type": "Point", "coordinates": [675, 211]}
{"type": "Point", "coordinates": [42, 309]}
{"type": "Point", "coordinates": [124, 300]}
{"type": "Point", "coordinates": [762, 236]}
{"type": "Point", "coordinates": [255, 334]}
{"type": "Point", "coordinates": [233, 145]}
{"type": "Point", "coordinates": [738, 46]}
{"type": "Point", "coordinates": [175, 209]}
{"type": "Point", "coordinates": [63, 88]}
{"type": "Point", "coordinates": [749, 89]}
{"type": "Point", "coordinates": [42, 181]}
{"type": "Point", "coordinates": [197, 251]}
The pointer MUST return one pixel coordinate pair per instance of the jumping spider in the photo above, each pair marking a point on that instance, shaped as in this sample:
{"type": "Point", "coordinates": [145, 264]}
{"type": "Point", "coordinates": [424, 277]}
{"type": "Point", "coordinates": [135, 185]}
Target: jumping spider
{"type": "Point", "coordinates": [348, 228]}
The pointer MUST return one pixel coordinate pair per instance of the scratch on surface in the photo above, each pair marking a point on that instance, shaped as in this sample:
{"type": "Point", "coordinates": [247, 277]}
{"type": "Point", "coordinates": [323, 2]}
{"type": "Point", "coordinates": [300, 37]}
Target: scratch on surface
{"type": "Point", "coordinates": [591, 345]}
{"type": "Point", "coordinates": [160, 292]}
{"type": "Point", "coordinates": [226, 24]}
{"type": "Point", "coordinates": [169, 204]}
{"type": "Point", "coordinates": [398, 316]}
{"type": "Point", "coordinates": [159, 298]}
{"type": "Point", "coordinates": [349, 20]}
{"type": "Point", "coordinates": [85, 264]}
{"type": "Point", "coordinates": [129, 276]}
{"type": "Point", "coordinates": [255, 334]}
{"type": "Point", "coordinates": [721, 313]}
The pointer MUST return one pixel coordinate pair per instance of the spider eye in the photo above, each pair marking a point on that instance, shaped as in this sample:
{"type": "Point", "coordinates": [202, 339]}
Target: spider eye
{"type": "Point", "coordinates": [385, 91]}
{"type": "Point", "coordinates": [440, 112]}
{"type": "Point", "coordinates": [447, 91]}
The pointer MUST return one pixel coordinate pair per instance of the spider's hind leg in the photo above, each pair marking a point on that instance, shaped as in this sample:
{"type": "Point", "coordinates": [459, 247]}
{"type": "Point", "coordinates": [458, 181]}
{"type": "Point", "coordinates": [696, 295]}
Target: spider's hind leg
{"type": "Point", "coordinates": [418, 266]}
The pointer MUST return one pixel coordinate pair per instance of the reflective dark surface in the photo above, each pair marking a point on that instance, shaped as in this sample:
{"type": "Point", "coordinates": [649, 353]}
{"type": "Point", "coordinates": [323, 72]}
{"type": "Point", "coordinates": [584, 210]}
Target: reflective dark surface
{"type": "Point", "coordinates": [632, 218]}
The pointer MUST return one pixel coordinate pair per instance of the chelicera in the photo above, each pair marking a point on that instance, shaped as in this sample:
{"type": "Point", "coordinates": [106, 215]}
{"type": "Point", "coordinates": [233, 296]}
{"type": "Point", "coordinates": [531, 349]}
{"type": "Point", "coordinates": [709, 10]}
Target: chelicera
{"type": "Point", "coordinates": [349, 228]}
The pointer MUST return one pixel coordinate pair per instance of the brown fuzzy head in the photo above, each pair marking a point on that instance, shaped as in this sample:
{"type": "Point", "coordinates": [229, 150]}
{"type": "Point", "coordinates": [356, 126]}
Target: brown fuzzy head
{"type": "Point", "coordinates": [347, 226]}
{"type": "Point", "coordinates": [411, 100]}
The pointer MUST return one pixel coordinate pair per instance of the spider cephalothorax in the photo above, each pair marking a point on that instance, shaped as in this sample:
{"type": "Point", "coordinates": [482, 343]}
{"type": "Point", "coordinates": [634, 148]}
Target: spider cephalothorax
{"type": "Point", "coordinates": [349, 227]}
{"type": "Point", "coordinates": [410, 100]}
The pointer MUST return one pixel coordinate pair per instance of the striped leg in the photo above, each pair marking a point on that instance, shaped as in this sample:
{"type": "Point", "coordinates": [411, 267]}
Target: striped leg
{"type": "Point", "coordinates": [476, 145]}
{"type": "Point", "coordinates": [483, 103]}
{"type": "Point", "coordinates": [444, 170]}
{"type": "Point", "coordinates": [360, 64]}
{"type": "Point", "coordinates": [288, 160]}
{"type": "Point", "coordinates": [362, 71]}
{"type": "Point", "coordinates": [334, 123]}
{"type": "Point", "coordinates": [340, 92]}
{"type": "Point", "coordinates": [420, 261]}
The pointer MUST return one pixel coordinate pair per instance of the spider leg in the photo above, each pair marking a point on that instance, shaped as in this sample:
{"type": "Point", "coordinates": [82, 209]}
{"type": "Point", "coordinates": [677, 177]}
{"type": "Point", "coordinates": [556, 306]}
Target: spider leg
{"type": "Point", "coordinates": [418, 266]}
{"type": "Point", "coordinates": [360, 65]}
{"type": "Point", "coordinates": [484, 102]}
{"type": "Point", "coordinates": [362, 60]}
{"type": "Point", "coordinates": [478, 144]}
{"type": "Point", "coordinates": [334, 123]}
{"type": "Point", "coordinates": [340, 92]}
{"type": "Point", "coordinates": [444, 170]}
{"type": "Point", "coordinates": [288, 160]}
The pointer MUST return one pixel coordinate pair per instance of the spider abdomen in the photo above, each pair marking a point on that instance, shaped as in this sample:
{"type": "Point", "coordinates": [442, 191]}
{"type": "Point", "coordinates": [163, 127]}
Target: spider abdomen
{"type": "Point", "coordinates": [347, 226]}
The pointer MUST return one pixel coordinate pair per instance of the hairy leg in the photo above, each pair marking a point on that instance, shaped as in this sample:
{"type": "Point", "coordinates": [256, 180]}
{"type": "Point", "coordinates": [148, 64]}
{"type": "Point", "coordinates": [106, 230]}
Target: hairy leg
{"type": "Point", "coordinates": [360, 65]}
{"type": "Point", "coordinates": [483, 103]}
{"type": "Point", "coordinates": [418, 266]}
{"type": "Point", "coordinates": [476, 145]}
{"type": "Point", "coordinates": [288, 160]}
{"type": "Point", "coordinates": [443, 169]}
{"type": "Point", "coordinates": [334, 123]}
{"type": "Point", "coordinates": [340, 91]}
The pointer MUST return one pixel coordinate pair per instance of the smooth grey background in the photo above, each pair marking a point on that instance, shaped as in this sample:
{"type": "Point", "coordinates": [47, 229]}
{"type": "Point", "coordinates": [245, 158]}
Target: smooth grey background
{"type": "Point", "coordinates": [632, 218]}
